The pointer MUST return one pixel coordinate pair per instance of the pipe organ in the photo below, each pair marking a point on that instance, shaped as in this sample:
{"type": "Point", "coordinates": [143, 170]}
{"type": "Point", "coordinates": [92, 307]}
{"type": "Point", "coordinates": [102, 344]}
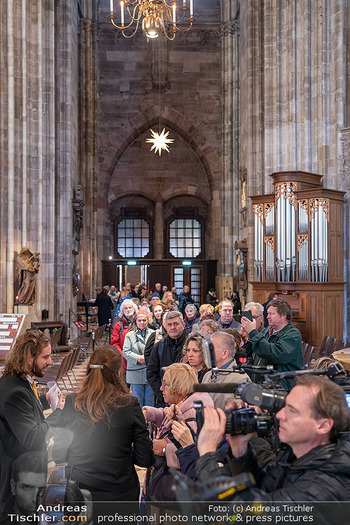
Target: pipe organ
{"type": "Point", "coordinates": [298, 251]}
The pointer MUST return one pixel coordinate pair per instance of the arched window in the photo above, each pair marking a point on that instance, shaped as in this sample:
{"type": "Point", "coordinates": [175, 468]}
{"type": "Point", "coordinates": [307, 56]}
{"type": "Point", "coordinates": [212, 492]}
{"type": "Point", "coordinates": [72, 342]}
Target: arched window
{"type": "Point", "coordinates": [133, 238]}
{"type": "Point", "coordinates": [185, 238]}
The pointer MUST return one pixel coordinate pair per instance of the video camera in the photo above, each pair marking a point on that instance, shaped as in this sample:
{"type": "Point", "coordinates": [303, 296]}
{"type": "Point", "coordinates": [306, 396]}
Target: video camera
{"type": "Point", "coordinates": [269, 395]}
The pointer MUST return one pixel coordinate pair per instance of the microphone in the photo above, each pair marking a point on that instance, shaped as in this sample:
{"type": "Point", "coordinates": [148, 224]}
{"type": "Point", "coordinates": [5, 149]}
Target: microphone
{"type": "Point", "coordinates": [218, 388]}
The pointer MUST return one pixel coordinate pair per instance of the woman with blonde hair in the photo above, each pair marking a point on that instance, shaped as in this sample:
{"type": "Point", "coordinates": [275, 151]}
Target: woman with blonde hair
{"type": "Point", "coordinates": [193, 352]}
{"type": "Point", "coordinates": [208, 327]}
{"type": "Point", "coordinates": [107, 431]}
{"type": "Point", "coordinates": [177, 388]}
{"type": "Point", "coordinates": [206, 311]}
{"type": "Point", "coordinates": [155, 317]}
{"type": "Point", "coordinates": [133, 351]}
{"type": "Point", "coordinates": [168, 301]}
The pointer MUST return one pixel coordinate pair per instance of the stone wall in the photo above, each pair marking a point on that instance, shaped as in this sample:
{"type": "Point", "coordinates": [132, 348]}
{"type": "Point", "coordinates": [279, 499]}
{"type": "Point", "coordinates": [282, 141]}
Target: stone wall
{"type": "Point", "coordinates": [255, 87]}
{"type": "Point", "coordinates": [38, 134]}
{"type": "Point", "coordinates": [230, 196]}
{"type": "Point", "coordinates": [143, 85]}
{"type": "Point", "coordinates": [293, 61]}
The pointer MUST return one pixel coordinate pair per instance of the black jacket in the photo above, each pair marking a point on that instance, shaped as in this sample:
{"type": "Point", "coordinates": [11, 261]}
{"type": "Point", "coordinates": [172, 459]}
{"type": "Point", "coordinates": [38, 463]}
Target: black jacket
{"type": "Point", "coordinates": [211, 300]}
{"type": "Point", "coordinates": [160, 333]}
{"type": "Point", "coordinates": [323, 474]}
{"type": "Point", "coordinates": [185, 298]}
{"type": "Point", "coordinates": [169, 352]}
{"type": "Point", "coordinates": [103, 455]}
{"type": "Point", "coordinates": [105, 307]}
{"type": "Point", "coordinates": [23, 427]}
{"type": "Point", "coordinates": [189, 455]}
{"type": "Point", "coordinates": [233, 324]}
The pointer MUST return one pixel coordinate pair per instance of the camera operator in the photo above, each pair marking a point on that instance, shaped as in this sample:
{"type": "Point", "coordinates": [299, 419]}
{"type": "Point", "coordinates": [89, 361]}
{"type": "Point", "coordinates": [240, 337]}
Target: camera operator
{"type": "Point", "coordinates": [279, 344]}
{"type": "Point", "coordinates": [317, 465]}
{"type": "Point", "coordinates": [187, 451]}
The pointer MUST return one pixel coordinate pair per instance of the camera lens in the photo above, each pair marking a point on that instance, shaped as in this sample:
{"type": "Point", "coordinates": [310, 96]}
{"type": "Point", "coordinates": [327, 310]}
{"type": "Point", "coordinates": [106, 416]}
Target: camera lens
{"type": "Point", "coordinates": [246, 420]}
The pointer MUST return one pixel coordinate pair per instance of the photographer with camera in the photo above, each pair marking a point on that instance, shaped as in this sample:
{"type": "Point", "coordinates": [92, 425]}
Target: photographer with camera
{"type": "Point", "coordinates": [178, 390]}
{"type": "Point", "coordinates": [188, 453]}
{"type": "Point", "coordinates": [279, 345]}
{"type": "Point", "coordinates": [316, 465]}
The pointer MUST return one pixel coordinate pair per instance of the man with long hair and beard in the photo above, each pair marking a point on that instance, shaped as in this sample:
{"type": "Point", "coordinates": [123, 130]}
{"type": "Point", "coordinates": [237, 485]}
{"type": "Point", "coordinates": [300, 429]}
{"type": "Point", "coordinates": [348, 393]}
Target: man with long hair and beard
{"type": "Point", "coordinates": [23, 427]}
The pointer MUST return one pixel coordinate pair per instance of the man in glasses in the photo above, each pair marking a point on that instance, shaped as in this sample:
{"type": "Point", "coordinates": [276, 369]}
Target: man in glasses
{"type": "Point", "coordinates": [257, 310]}
{"type": "Point", "coordinates": [225, 349]}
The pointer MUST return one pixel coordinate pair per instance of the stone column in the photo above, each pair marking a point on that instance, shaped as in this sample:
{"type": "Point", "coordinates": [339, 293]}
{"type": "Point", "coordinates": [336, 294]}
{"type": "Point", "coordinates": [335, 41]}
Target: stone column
{"type": "Point", "coordinates": [229, 195]}
{"type": "Point", "coordinates": [159, 231]}
{"type": "Point", "coordinates": [92, 240]}
{"type": "Point", "coordinates": [251, 122]}
{"type": "Point", "coordinates": [66, 133]}
{"type": "Point", "coordinates": [10, 156]}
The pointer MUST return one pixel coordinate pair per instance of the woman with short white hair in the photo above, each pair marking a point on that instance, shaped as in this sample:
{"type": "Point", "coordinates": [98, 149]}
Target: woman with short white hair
{"type": "Point", "coordinates": [190, 317]}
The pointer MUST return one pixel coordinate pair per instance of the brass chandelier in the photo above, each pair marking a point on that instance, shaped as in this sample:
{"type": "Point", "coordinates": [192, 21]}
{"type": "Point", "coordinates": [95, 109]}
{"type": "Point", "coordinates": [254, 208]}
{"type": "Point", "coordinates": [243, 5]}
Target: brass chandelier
{"type": "Point", "coordinates": [156, 15]}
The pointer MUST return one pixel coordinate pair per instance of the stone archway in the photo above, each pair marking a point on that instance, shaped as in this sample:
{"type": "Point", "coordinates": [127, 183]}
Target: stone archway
{"type": "Point", "coordinates": [116, 153]}
{"type": "Point", "coordinates": [171, 118]}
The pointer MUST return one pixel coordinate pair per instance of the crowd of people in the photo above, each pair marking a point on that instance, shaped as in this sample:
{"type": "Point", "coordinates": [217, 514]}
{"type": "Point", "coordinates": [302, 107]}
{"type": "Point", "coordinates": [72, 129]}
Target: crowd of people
{"type": "Point", "coordinates": [135, 406]}
{"type": "Point", "coordinates": [109, 300]}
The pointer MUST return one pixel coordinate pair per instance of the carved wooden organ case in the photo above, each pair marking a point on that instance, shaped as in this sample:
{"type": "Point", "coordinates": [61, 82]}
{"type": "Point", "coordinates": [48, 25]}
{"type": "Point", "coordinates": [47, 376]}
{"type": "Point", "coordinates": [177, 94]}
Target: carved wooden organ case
{"type": "Point", "coordinates": [298, 251]}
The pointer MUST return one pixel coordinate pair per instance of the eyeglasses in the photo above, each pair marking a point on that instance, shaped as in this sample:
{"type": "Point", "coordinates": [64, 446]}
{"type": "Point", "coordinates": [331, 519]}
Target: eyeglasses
{"type": "Point", "coordinates": [164, 383]}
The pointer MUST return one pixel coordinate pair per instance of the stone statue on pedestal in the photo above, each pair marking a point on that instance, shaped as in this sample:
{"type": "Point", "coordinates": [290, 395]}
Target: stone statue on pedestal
{"type": "Point", "coordinates": [27, 266]}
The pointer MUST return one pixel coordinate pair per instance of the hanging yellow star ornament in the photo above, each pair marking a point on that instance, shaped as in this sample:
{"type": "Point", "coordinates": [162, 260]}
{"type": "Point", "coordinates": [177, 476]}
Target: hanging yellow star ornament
{"type": "Point", "coordinates": [160, 141]}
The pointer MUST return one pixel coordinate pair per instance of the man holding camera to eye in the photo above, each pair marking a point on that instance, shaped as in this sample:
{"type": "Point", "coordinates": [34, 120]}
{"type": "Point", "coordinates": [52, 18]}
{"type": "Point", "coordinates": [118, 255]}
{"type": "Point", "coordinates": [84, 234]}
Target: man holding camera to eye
{"type": "Point", "coordinates": [279, 345]}
{"type": "Point", "coordinates": [315, 466]}
{"type": "Point", "coordinates": [28, 483]}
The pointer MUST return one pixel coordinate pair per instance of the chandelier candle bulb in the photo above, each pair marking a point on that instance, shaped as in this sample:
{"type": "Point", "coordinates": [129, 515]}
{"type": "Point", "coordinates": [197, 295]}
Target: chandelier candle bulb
{"type": "Point", "coordinates": [153, 16]}
{"type": "Point", "coordinates": [121, 12]}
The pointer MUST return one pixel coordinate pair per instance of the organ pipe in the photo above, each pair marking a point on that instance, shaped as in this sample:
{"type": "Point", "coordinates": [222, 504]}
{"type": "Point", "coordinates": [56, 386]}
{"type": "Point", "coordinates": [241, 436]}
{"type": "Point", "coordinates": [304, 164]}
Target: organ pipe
{"type": "Point", "coordinates": [291, 236]}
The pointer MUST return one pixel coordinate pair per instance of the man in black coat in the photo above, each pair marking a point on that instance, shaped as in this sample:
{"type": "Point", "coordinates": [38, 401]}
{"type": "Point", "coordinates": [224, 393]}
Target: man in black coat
{"type": "Point", "coordinates": [166, 352]}
{"type": "Point", "coordinates": [23, 427]}
{"type": "Point", "coordinates": [105, 306]}
{"type": "Point", "coordinates": [211, 298]}
{"type": "Point", "coordinates": [316, 467]}
{"type": "Point", "coordinates": [185, 298]}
